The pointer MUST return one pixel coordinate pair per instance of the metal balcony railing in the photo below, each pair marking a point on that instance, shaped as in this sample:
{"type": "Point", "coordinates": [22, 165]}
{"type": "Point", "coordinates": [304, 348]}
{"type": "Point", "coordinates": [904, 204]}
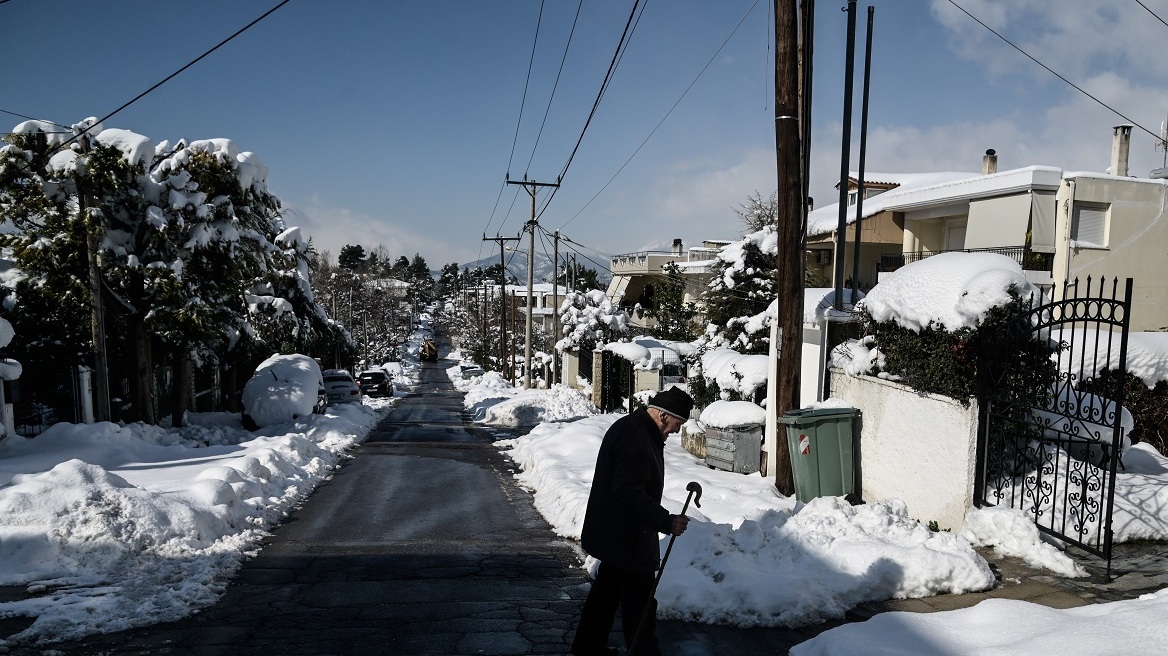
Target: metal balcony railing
{"type": "Point", "coordinates": [1026, 258]}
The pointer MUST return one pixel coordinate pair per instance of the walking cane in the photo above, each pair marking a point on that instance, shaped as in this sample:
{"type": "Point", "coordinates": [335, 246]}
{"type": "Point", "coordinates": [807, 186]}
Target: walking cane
{"type": "Point", "coordinates": [692, 488]}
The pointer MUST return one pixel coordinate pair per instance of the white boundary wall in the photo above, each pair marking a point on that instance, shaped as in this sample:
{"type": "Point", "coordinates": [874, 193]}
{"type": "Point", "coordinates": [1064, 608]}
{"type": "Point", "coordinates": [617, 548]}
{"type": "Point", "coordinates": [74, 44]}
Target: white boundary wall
{"type": "Point", "coordinates": [919, 448]}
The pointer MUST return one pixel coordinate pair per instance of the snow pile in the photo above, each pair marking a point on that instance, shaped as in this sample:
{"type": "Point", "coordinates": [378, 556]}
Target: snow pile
{"type": "Point", "coordinates": [951, 291]}
{"type": "Point", "coordinates": [750, 554]}
{"type": "Point", "coordinates": [131, 525]}
{"type": "Point", "coordinates": [1002, 626]}
{"type": "Point", "coordinates": [635, 353]}
{"type": "Point", "coordinates": [532, 407]}
{"type": "Point", "coordinates": [732, 414]}
{"type": "Point", "coordinates": [282, 389]}
{"type": "Point", "coordinates": [733, 371]}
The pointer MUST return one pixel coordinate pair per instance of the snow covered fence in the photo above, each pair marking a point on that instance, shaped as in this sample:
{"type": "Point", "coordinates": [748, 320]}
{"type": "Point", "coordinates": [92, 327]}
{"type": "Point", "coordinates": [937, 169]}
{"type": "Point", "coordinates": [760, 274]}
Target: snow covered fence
{"type": "Point", "coordinates": [928, 463]}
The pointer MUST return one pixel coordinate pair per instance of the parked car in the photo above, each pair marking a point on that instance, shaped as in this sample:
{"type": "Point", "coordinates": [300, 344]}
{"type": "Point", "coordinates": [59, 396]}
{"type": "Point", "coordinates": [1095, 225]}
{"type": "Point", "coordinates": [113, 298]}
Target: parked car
{"type": "Point", "coordinates": [283, 388]}
{"type": "Point", "coordinates": [341, 387]}
{"type": "Point", "coordinates": [375, 382]}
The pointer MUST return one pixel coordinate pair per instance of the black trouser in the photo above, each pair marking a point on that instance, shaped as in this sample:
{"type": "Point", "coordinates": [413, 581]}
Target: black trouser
{"type": "Point", "coordinates": [616, 587]}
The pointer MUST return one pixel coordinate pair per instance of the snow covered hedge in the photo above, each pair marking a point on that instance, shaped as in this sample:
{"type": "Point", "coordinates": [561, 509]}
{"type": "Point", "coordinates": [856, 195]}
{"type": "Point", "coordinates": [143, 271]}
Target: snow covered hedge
{"type": "Point", "coordinates": [925, 325]}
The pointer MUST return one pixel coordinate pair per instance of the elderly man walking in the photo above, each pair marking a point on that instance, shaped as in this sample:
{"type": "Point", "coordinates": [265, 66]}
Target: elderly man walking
{"type": "Point", "coordinates": [623, 522]}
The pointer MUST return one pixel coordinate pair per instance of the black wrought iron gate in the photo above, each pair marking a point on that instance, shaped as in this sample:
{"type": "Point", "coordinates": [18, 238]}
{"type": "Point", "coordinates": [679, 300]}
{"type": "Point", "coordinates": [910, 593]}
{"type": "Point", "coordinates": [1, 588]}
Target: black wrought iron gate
{"type": "Point", "coordinates": [1050, 431]}
{"type": "Point", "coordinates": [616, 380]}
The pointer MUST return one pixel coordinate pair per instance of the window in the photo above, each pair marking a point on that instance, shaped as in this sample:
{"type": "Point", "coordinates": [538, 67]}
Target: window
{"type": "Point", "coordinates": [1089, 226]}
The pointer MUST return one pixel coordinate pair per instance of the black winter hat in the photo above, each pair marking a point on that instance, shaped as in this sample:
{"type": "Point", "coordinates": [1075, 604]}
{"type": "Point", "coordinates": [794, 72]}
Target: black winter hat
{"type": "Point", "coordinates": [673, 401]}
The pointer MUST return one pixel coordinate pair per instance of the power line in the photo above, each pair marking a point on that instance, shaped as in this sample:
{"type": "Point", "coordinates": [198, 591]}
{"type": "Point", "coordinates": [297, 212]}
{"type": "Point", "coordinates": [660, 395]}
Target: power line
{"type": "Point", "coordinates": [31, 118]}
{"type": "Point", "coordinates": [729, 294]}
{"type": "Point", "coordinates": [1052, 72]}
{"type": "Point", "coordinates": [518, 123]}
{"type": "Point", "coordinates": [174, 74]}
{"type": "Point", "coordinates": [667, 114]}
{"type": "Point", "coordinates": [526, 84]}
{"type": "Point", "coordinates": [556, 84]}
{"type": "Point", "coordinates": [620, 46]}
{"type": "Point", "coordinates": [1152, 12]}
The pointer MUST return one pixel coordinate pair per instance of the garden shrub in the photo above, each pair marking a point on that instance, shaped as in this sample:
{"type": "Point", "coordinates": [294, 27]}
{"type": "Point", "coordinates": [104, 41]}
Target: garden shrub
{"type": "Point", "coordinates": [1148, 406]}
{"type": "Point", "coordinates": [999, 354]}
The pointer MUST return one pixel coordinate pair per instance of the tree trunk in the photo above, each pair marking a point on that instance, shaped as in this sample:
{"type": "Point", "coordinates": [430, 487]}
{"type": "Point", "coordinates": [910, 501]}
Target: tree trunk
{"type": "Point", "coordinates": [143, 371]}
{"type": "Point", "coordinates": [180, 390]}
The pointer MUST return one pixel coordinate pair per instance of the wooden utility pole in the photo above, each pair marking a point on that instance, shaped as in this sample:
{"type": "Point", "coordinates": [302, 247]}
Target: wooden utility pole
{"type": "Point", "coordinates": [502, 295]}
{"type": "Point", "coordinates": [101, 398]}
{"type": "Point", "coordinates": [531, 186]}
{"type": "Point", "coordinates": [790, 211]}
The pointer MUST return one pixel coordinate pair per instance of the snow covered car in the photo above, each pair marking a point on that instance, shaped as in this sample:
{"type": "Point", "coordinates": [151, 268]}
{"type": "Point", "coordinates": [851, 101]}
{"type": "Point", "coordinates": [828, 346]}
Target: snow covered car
{"type": "Point", "coordinates": [340, 387]}
{"type": "Point", "coordinates": [375, 382]}
{"type": "Point", "coordinates": [283, 388]}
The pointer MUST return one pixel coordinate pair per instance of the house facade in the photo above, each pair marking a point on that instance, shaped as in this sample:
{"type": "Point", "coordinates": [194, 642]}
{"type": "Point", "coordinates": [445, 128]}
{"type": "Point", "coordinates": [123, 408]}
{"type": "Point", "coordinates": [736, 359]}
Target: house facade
{"type": "Point", "coordinates": [1058, 225]}
{"type": "Point", "coordinates": [636, 275]}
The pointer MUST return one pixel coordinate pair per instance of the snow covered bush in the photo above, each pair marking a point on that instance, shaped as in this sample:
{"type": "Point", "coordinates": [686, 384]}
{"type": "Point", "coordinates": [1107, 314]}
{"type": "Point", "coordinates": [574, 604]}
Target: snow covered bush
{"type": "Point", "coordinates": [590, 319]}
{"type": "Point", "coordinates": [927, 323]}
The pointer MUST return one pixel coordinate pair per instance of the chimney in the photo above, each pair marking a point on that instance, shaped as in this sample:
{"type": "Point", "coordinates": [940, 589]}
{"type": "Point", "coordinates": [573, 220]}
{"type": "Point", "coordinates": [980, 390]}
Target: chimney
{"type": "Point", "coordinates": [677, 247]}
{"type": "Point", "coordinates": [989, 163]}
{"type": "Point", "coordinates": [1120, 147]}
{"type": "Point", "coordinates": [810, 204]}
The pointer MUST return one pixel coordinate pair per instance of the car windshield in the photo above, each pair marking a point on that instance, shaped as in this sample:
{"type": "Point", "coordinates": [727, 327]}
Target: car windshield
{"type": "Point", "coordinates": [376, 376]}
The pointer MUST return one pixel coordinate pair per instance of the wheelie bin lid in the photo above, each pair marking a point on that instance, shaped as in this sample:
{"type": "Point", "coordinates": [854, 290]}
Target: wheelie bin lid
{"type": "Point", "coordinates": [802, 414]}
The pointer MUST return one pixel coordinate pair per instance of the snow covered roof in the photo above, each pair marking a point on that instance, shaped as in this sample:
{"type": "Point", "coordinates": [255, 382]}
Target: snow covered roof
{"type": "Point", "coordinates": [918, 190]}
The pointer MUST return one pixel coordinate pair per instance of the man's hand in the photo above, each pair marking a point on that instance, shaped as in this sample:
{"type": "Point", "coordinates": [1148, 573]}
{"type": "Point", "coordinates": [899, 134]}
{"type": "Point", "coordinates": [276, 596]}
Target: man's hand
{"type": "Point", "coordinates": [678, 525]}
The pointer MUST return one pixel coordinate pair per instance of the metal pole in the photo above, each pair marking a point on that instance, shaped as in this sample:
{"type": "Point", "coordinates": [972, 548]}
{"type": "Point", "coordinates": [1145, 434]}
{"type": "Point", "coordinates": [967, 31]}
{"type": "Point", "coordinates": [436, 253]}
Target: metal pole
{"type": "Point", "coordinates": [845, 148]}
{"type": "Point", "coordinates": [863, 150]}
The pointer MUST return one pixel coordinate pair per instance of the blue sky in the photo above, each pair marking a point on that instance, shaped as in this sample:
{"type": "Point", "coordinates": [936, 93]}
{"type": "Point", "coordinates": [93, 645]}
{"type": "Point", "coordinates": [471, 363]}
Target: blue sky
{"type": "Point", "coordinates": [394, 123]}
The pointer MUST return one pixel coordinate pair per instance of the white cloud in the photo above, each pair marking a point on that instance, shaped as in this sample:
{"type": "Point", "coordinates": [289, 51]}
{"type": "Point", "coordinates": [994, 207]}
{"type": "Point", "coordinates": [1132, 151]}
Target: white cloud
{"type": "Point", "coordinates": [333, 227]}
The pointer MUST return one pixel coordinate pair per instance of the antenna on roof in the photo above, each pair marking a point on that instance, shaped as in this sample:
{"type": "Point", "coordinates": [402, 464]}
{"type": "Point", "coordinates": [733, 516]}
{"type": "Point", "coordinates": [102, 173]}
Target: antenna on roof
{"type": "Point", "coordinates": [1162, 141]}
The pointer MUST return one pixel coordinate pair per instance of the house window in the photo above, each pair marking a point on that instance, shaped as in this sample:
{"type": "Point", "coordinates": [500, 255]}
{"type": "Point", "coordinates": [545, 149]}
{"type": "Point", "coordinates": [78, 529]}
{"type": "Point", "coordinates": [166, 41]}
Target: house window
{"type": "Point", "coordinates": [1089, 226]}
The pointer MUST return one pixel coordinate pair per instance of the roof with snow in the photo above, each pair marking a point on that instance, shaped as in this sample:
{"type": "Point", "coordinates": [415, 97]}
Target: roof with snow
{"type": "Point", "coordinates": [918, 190]}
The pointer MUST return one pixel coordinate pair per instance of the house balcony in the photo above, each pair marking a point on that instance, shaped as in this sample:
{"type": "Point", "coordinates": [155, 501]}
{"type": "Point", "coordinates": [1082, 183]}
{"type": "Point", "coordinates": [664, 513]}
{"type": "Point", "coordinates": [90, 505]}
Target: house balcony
{"type": "Point", "coordinates": [1026, 258]}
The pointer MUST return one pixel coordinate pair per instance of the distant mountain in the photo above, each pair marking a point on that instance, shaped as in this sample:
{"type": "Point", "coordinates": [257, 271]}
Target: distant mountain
{"type": "Point", "coordinates": [517, 266]}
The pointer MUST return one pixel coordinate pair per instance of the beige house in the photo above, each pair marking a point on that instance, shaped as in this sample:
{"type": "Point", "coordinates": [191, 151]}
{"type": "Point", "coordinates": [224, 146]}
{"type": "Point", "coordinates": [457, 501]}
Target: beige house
{"type": "Point", "coordinates": [635, 276]}
{"type": "Point", "coordinates": [1057, 224]}
{"type": "Point", "coordinates": [1116, 227]}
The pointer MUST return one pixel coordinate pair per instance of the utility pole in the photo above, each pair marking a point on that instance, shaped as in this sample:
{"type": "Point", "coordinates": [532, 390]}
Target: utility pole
{"type": "Point", "coordinates": [790, 215]}
{"type": "Point", "coordinates": [531, 186]}
{"type": "Point", "coordinates": [502, 294]}
{"type": "Point", "coordinates": [556, 307]}
{"type": "Point", "coordinates": [101, 399]}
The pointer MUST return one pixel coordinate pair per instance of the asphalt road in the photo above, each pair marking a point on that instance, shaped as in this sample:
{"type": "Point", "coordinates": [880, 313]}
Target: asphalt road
{"type": "Point", "coordinates": [422, 543]}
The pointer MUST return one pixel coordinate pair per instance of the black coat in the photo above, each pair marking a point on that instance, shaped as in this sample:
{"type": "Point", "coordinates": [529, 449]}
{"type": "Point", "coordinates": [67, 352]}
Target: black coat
{"type": "Point", "coordinates": [624, 513]}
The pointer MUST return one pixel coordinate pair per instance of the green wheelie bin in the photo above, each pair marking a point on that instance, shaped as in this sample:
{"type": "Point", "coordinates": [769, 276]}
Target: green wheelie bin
{"type": "Point", "coordinates": [824, 443]}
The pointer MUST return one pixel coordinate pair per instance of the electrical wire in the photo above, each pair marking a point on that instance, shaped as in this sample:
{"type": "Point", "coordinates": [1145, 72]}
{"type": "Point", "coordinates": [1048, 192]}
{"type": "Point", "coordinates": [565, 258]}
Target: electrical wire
{"type": "Point", "coordinates": [64, 128]}
{"type": "Point", "coordinates": [526, 84]}
{"type": "Point", "coordinates": [663, 118]}
{"type": "Point", "coordinates": [172, 75]}
{"type": "Point", "coordinates": [556, 84]}
{"type": "Point", "coordinates": [620, 46]}
{"type": "Point", "coordinates": [518, 123]}
{"type": "Point", "coordinates": [727, 294]}
{"type": "Point", "coordinates": [1052, 72]}
{"type": "Point", "coordinates": [1152, 12]}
